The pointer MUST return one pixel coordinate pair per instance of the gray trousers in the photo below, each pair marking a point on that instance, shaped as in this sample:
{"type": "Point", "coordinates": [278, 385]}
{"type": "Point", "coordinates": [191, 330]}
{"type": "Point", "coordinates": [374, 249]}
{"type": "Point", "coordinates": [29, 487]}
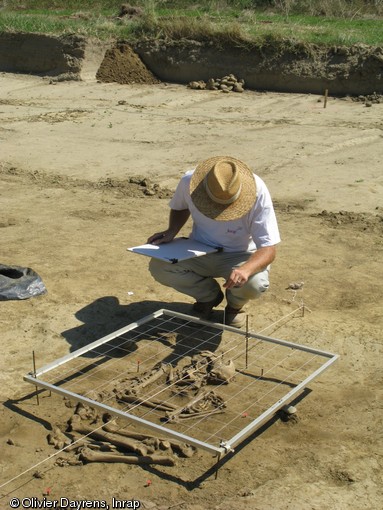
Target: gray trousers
{"type": "Point", "coordinates": [196, 277]}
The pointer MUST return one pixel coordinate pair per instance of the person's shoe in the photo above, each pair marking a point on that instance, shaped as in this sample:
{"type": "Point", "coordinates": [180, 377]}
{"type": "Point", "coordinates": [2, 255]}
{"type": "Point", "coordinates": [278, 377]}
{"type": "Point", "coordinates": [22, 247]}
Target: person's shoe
{"type": "Point", "coordinates": [235, 317]}
{"type": "Point", "coordinates": [205, 309]}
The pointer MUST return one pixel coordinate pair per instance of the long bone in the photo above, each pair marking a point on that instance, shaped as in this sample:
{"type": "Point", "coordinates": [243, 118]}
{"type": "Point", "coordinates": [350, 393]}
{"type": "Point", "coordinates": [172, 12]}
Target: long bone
{"type": "Point", "coordinates": [184, 449]}
{"type": "Point", "coordinates": [88, 455]}
{"type": "Point", "coordinates": [154, 404]}
{"type": "Point", "coordinates": [92, 444]}
{"type": "Point", "coordinates": [147, 379]}
{"type": "Point", "coordinates": [198, 414]}
{"type": "Point", "coordinates": [120, 442]}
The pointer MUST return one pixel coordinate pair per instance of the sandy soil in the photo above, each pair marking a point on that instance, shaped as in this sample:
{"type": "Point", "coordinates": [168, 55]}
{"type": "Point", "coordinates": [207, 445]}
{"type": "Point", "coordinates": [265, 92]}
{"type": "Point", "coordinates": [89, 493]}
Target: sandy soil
{"type": "Point", "coordinates": [74, 159]}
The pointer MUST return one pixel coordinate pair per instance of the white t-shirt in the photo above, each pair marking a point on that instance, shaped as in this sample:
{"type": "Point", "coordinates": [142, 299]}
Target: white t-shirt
{"type": "Point", "coordinates": [258, 228]}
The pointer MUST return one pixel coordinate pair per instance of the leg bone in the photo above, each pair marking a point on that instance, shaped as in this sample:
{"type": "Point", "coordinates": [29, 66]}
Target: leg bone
{"type": "Point", "coordinates": [92, 456]}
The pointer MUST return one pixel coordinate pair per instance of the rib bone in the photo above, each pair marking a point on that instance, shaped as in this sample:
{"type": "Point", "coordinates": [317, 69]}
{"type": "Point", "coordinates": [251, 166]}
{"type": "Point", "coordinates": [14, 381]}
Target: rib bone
{"type": "Point", "coordinates": [190, 410]}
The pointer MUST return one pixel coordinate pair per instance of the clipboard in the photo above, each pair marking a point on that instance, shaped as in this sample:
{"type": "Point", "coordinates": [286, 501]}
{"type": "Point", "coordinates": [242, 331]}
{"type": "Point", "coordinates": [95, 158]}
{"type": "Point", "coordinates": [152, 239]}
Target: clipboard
{"type": "Point", "coordinates": [181, 248]}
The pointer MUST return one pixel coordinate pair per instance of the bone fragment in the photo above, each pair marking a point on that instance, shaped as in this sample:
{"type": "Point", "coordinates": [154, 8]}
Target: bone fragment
{"type": "Point", "coordinates": [60, 461]}
{"type": "Point", "coordinates": [170, 377]}
{"type": "Point", "coordinates": [76, 445]}
{"type": "Point", "coordinates": [86, 412]}
{"type": "Point", "coordinates": [92, 456]}
{"type": "Point", "coordinates": [165, 445]}
{"type": "Point", "coordinates": [295, 285]}
{"type": "Point", "coordinates": [58, 439]}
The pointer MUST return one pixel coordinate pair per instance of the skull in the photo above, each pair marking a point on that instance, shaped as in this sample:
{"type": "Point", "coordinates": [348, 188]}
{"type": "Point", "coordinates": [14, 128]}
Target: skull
{"type": "Point", "coordinates": [221, 372]}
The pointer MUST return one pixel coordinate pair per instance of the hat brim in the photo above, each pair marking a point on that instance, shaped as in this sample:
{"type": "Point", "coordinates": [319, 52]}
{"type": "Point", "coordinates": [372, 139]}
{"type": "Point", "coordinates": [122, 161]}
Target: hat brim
{"type": "Point", "coordinates": [212, 209]}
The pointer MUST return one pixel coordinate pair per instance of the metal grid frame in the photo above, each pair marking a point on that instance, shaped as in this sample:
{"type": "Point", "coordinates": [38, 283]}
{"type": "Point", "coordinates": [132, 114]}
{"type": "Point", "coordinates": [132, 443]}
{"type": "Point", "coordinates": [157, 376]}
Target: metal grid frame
{"type": "Point", "coordinates": [322, 361]}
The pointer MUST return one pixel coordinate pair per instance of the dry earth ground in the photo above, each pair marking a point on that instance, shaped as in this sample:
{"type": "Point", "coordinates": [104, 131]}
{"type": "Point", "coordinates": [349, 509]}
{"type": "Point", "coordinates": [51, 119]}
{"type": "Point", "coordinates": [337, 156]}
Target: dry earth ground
{"type": "Point", "coordinates": [69, 212]}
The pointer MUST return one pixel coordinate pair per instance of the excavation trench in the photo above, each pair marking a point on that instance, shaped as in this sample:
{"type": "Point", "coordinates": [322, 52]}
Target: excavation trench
{"type": "Point", "coordinates": [300, 69]}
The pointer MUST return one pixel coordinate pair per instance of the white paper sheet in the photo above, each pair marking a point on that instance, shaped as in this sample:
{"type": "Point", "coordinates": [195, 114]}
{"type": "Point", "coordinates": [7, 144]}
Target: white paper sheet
{"type": "Point", "coordinates": [179, 249]}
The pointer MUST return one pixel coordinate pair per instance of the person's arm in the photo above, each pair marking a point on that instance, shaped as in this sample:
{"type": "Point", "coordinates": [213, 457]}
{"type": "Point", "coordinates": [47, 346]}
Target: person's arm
{"type": "Point", "coordinates": [177, 220]}
{"type": "Point", "coordinates": [258, 261]}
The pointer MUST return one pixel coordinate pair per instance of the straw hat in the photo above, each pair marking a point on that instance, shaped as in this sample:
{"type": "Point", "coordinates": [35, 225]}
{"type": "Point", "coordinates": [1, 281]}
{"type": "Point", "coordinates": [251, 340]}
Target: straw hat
{"type": "Point", "coordinates": [223, 188]}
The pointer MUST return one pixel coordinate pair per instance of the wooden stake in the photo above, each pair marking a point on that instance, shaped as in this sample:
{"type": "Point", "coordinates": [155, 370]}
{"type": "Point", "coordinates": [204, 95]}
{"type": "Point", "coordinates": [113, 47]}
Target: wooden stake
{"type": "Point", "coordinates": [325, 98]}
{"type": "Point", "coordinates": [247, 341]}
{"type": "Point", "coordinates": [34, 375]}
{"type": "Point", "coordinates": [217, 464]}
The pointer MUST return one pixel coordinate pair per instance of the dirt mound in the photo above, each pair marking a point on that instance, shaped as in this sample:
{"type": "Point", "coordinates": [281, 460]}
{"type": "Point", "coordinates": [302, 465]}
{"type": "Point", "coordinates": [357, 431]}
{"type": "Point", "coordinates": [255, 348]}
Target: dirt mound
{"type": "Point", "coordinates": [359, 221]}
{"type": "Point", "coordinates": [137, 186]}
{"type": "Point", "coordinates": [122, 65]}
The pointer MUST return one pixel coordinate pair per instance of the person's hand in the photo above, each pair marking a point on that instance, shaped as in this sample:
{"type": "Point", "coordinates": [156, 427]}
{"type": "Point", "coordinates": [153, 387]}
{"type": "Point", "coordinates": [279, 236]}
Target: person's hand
{"type": "Point", "coordinates": [161, 237]}
{"type": "Point", "coordinates": [238, 277]}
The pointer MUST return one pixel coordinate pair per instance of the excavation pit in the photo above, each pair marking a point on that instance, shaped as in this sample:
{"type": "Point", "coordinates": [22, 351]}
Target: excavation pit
{"type": "Point", "coordinates": [202, 383]}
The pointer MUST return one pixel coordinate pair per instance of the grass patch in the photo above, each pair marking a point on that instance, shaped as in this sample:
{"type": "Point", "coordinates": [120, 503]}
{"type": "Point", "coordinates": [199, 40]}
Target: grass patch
{"type": "Point", "coordinates": [321, 31]}
{"type": "Point", "coordinates": [244, 23]}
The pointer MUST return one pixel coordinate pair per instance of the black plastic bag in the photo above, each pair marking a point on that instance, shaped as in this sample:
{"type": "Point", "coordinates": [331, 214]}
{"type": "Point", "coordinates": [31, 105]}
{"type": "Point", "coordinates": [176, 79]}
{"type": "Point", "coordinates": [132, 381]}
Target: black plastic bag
{"type": "Point", "coordinates": [19, 283]}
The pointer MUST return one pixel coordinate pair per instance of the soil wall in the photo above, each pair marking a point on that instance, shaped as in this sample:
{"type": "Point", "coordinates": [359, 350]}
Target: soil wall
{"type": "Point", "coordinates": [40, 54]}
{"type": "Point", "coordinates": [70, 56]}
{"type": "Point", "coordinates": [355, 70]}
